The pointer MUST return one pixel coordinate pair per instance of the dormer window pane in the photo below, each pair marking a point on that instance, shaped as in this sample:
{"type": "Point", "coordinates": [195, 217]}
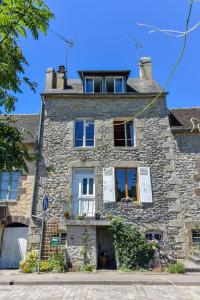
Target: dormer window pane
{"type": "Point", "coordinates": [118, 85]}
{"type": "Point", "coordinates": [109, 85]}
{"type": "Point", "coordinates": [89, 85]}
{"type": "Point", "coordinates": [98, 84]}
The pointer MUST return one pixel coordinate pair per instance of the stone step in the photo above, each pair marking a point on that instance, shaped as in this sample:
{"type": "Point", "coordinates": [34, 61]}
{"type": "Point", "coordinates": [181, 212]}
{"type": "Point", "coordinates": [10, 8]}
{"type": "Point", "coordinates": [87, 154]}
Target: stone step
{"type": "Point", "coordinates": [195, 259]}
{"type": "Point", "coordinates": [190, 265]}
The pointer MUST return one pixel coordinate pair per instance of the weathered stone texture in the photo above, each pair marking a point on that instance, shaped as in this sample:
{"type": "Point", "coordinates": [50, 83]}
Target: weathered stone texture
{"type": "Point", "coordinates": [153, 148]}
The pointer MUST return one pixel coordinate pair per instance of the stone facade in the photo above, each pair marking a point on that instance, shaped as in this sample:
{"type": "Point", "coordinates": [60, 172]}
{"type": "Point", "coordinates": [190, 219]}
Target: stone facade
{"type": "Point", "coordinates": [173, 160]}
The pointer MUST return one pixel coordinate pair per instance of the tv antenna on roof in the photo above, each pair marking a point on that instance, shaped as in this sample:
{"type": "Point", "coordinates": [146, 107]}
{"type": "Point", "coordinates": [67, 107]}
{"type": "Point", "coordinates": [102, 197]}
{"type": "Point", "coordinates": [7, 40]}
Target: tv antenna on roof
{"type": "Point", "coordinates": [138, 45]}
{"type": "Point", "coordinates": [69, 43]}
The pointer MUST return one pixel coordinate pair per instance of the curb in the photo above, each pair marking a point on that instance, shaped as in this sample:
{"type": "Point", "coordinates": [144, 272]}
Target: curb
{"type": "Point", "coordinates": [128, 282]}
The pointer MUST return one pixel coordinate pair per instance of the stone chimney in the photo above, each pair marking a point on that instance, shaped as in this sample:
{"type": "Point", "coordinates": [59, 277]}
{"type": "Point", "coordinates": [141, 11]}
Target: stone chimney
{"type": "Point", "coordinates": [61, 78]}
{"type": "Point", "coordinates": [145, 67]}
{"type": "Point", "coordinates": [50, 80]}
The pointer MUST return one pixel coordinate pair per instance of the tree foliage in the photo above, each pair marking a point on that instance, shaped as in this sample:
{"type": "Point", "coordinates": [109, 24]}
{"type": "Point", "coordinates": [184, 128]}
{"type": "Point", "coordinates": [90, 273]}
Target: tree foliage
{"type": "Point", "coordinates": [132, 250]}
{"type": "Point", "coordinates": [13, 152]}
{"type": "Point", "coordinates": [17, 19]}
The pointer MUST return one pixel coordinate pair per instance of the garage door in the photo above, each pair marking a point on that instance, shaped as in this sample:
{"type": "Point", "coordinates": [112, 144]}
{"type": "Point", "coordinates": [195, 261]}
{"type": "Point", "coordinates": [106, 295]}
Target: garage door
{"type": "Point", "coordinates": [13, 246]}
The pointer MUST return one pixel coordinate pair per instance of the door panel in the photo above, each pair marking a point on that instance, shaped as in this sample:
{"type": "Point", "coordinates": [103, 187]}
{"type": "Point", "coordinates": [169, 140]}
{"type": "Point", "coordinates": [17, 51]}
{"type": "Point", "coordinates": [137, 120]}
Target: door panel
{"type": "Point", "coordinates": [13, 246]}
{"type": "Point", "coordinates": [83, 194]}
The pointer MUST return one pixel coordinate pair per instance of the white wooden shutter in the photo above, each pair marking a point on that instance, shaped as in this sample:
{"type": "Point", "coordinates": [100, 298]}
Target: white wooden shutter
{"type": "Point", "coordinates": [108, 185]}
{"type": "Point", "coordinates": [145, 185]}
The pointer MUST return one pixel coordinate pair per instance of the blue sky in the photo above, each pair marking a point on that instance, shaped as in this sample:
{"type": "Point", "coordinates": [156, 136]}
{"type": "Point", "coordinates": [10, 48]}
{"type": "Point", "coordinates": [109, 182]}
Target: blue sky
{"type": "Point", "coordinates": [100, 30]}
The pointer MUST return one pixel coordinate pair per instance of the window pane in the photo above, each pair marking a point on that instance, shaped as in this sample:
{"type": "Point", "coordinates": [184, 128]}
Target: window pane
{"type": "Point", "coordinates": [196, 236]}
{"type": "Point", "coordinates": [118, 85]}
{"type": "Point", "coordinates": [91, 182]}
{"type": "Point", "coordinates": [129, 133]}
{"type": "Point", "coordinates": [109, 84]}
{"type": "Point", "coordinates": [119, 133]}
{"type": "Point", "coordinates": [89, 85]}
{"type": "Point", "coordinates": [98, 88]}
{"type": "Point", "coordinates": [12, 195]}
{"type": "Point", "coordinates": [84, 186]}
{"type": "Point", "coordinates": [149, 236]}
{"type": "Point", "coordinates": [132, 178]}
{"type": "Point", "coordinates": [120, 184]}
{"type": "Point", "coordinates": [4, 185]}
{"type": "Point", "coordinates": [14, 185]}
{"type": "Point", "coordinates": [3, 195]}
{"type": "Point", "coordinates": [89, 132]}
{"type": "Point", "coordinates": [79, 133]}
{"type": "Point", "coordinates": [15, 176]}
{"type": "Point", "coordinates": [5, 176]}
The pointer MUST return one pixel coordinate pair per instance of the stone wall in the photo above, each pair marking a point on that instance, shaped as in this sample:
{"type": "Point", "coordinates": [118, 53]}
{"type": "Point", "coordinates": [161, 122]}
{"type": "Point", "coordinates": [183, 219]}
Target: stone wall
{"type": "Point", "coordinates": [20, 210]}
{"type": "Point", "coordinates": [153, 148]}
{"type": "Point", "coordinates": [187, 162]}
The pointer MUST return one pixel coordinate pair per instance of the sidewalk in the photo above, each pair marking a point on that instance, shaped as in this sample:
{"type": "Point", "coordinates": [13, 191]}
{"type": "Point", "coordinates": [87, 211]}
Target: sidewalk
{"type": "Point", "coordinates": [15, 277]}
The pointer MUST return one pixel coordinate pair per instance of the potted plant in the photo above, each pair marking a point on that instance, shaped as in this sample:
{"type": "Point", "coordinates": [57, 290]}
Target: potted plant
{"type": "Point", "coordinates": [67, 215]}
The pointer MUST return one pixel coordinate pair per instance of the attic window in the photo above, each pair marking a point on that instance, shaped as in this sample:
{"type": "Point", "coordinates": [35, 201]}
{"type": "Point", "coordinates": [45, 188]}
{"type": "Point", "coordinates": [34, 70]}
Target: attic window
{"type": "Point", "coordinates": [94, 85]}
{"type": "Point", "coordinates": [114, 85]}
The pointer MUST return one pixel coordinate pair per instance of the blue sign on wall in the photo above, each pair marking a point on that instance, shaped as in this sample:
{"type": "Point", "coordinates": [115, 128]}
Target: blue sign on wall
{"type": "Point", "coordinates": [45, 203]}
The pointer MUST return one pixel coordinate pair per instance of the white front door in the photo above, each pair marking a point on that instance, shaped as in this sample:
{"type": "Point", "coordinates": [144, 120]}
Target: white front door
{"type": "Point", "coordinates": [83, 193]}
{"type": "Point", "coordinates": [13, 246]}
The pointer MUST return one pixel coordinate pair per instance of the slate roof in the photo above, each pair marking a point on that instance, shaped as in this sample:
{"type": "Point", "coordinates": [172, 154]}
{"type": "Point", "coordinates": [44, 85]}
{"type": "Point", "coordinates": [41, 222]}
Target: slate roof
{"type": "Point", "coordinates": [134, 86]}
{"type": "Point", "coordinates": [180, 118]}
{"type": "Point", "coordinates": [30, 123]}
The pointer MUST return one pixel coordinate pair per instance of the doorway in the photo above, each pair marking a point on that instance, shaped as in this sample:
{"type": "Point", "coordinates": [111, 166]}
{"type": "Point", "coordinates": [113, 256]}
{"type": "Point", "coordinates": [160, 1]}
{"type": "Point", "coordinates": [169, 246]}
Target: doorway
{"type": "Point", "coordinates": [105, 249]}
{"type": "Point", "coordinates": [83, 192]}
{"type": "Point", "coordinates": [13, 245]}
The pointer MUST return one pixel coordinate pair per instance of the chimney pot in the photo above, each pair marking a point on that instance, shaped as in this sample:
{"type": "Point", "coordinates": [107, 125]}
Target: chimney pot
{"type": "Point", "coordinates": [145, 66]}
{"type": "Point", "coordinates": [50, 80]}
{"type": "Point", "coordinates": [61, 78]}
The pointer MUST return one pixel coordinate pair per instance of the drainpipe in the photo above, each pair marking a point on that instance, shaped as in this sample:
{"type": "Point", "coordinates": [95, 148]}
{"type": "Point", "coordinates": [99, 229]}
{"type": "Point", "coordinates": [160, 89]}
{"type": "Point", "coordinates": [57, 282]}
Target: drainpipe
{"type": "Point", "coordinates": [38, 151]}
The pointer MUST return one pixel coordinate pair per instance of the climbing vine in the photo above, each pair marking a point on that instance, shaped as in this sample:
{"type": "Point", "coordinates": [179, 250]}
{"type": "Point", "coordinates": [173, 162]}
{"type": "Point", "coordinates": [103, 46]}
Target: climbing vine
{"type": "Point", "coordinates": [132, 250]}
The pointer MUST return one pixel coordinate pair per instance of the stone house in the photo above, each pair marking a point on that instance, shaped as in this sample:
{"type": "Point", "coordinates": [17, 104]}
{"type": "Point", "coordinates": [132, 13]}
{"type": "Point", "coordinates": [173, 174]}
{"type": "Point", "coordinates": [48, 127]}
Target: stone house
{"type": "Point", "coordinates": [96, 161]}
{"type": "Point", "coordinates": [16, 193]}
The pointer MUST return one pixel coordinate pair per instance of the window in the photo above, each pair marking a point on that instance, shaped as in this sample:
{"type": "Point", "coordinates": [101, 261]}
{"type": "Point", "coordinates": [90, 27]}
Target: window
{"type": "Point", "coordinates": [9, 183]}
{"type": "Point", "coordinates": [89, 85]}
{"type": "Point", "coordinates": [119, 85]}
{"type": "Point", "coordinates": [196, 235]}
{"type": "Point", "coordinates": [88, 186]}
{"type": "Point", "coordinates": [114, 85]}
{"type": "Point", "coordinates": [94, 85]}
{"type": "Point", "coordinates": [63, 238]}
{"type": "Point", "coordinates": [123, 133]}
{"type": "Point", "coordinates": [84, 133]}
{"type": "Point", "coordinates": [154, 235]}
{"type": "Point", "coordinates": [125, 182]}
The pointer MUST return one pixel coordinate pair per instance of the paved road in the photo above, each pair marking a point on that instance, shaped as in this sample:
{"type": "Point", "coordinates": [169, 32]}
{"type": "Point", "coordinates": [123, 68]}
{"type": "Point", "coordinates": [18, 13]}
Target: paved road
{"type": "Point", "coordinates": [102, 292]}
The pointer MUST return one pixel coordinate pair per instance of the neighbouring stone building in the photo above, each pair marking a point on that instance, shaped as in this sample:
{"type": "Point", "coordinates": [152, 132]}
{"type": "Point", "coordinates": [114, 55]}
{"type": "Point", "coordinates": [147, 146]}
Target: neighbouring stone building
{"type": "Point", "coordinates": [16, 194]}
{"type": "Point", "coordinates": [101, 154]}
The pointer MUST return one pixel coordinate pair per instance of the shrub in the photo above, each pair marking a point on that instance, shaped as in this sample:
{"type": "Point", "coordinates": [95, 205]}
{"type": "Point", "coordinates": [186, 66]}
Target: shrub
{"type": "Point", "coordinates": [177, 267]}
{"type": "Point", "coordinates": [30, 263]}
{"type": "Point", "coordinates": [87, 268]}
{"type": "Point", "coordinates": [132, 250]}
{"type": "Point", "coordinates": [56, 263]}
{"type": "Point", "coordinates": [45, 266]}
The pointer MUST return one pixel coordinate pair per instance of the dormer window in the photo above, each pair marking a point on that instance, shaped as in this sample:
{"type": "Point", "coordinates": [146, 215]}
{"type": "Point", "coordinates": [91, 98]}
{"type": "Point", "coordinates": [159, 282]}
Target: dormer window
{"type": "Point", "coordinates": [104, 81]}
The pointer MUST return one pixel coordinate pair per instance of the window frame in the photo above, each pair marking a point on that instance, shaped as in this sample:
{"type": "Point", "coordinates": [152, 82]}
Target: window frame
{"type": "Point", "coordinates": [126, 183]}
{"type": "Point", "coordinates": [84, 133]}
{"type": "Point", "coordinates": [154, 232]}
{"type": "Point", "coordinates": [9, 190]}
{"type": "Point", "coordinates": [125, 132]}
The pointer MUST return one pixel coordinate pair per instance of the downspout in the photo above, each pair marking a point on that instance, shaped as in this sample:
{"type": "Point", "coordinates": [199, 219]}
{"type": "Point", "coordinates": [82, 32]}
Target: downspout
{"type": "Point", "coordinates": [38, 152]}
